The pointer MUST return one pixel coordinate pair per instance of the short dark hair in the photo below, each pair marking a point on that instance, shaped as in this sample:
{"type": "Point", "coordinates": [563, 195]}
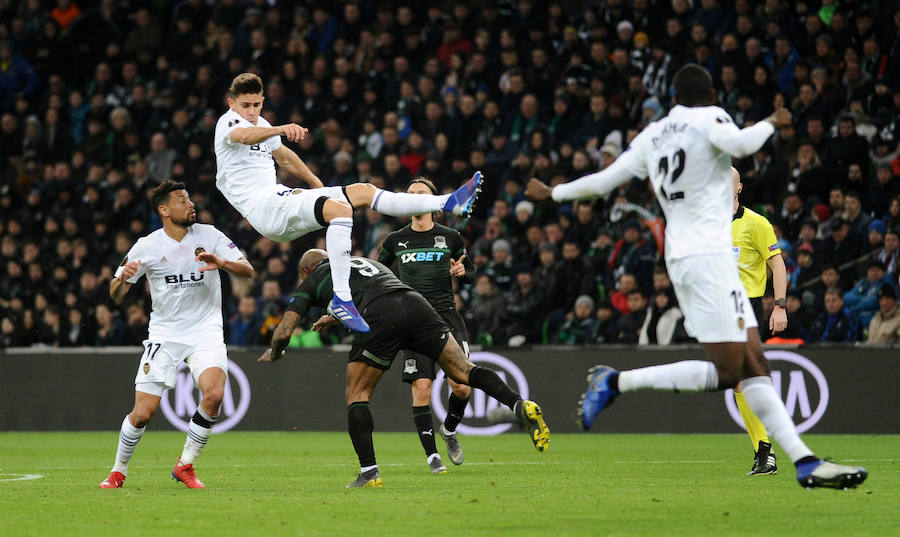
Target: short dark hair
{"type": "Point", "coordinates": [160, 195]}
{"type": "Point", "coordinates": [425, 181]}
{"type": "Point", "coordinates": [245, 83]}
{"type": "Point", "coordinates": [693, 86]}
{"type": "Point", "coordinates": [637, 291]}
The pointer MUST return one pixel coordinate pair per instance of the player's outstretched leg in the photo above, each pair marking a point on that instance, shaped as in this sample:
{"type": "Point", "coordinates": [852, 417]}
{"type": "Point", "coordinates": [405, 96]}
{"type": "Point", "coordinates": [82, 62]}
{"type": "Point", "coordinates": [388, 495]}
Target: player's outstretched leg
{"type": "Point", "coordinates": [530, 414]}
{"type": "Point", "coordinates": [129, 437]}
{"type": "Point", "coordinates": [827, 474]}
{"type": "Point", "coordinates": [462, 201]}
{"type": "Point", "coordinates": [360, 427]}
{"type": "Point", "coordinates": [339, 216]}
{"type": "Point", "coordinates": [456, 409]}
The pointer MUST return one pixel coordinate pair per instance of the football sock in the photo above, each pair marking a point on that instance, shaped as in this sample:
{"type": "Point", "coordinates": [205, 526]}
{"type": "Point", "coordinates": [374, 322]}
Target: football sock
{"type": "Point", "coordinates": [456, 408]}
{"type": "Point", "coordinates": [129, 436]}
{"type": "Point", "coordinates": [490, 383]}
{"type": "Point", "coordinates": [755, 429]}
{"type": "Point", "coordinates": [425, 427]}
{"type": "Point", "coordinates": [337, 243]}
{"type": "Point", "coordinates": [360, 427]}
{"type": "Point", "coordinates": [686, 376]}
{"type": "Point", "coordinates": [764, 402]}
{"type": "Point", "coordinates": [198, 434]}
{"type": "Point", "coordinates": [404, 204]}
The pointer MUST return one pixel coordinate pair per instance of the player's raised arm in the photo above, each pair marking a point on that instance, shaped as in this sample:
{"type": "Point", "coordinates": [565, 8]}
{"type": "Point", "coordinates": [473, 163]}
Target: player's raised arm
{"type": "Point", "coordinates": [289, 160]}
{"type": "Point", "coordinates": [628, 165]}
{"type": "Point", "coordinates": [741, 143]}
{"type": "Point", "coordinates": [252, 135]}
{"type": "Point", "coordinates": [119, 286]}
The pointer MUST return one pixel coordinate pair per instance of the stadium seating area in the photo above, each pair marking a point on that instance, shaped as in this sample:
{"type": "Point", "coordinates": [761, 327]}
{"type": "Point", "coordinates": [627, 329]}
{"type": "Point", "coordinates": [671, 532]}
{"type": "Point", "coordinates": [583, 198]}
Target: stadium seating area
{"type": "Point", "coordinates": [101, 101]}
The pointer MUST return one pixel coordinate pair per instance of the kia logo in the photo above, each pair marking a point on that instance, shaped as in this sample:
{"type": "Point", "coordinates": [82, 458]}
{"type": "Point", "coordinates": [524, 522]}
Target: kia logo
{"type": "Point", "coordinates": [185, 399]}
{"type": "Point", "coordinates": [479, 402]}
{"type": "Point", "coordinates": [796, 397]}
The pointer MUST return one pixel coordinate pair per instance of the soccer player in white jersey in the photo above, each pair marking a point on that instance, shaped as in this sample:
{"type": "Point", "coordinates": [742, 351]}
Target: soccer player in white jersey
{"type": "Point", "coordinates": [687, 156]}
{"type": "Point", "coordinates": [247, 147]}
{"type": "Point", "coordinates": [181, 262]}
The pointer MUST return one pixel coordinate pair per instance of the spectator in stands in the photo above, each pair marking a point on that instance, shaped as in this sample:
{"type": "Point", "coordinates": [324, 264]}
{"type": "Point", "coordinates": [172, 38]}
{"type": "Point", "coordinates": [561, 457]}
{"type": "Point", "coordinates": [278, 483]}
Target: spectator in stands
{"type": "Point", "coordinates": [799, 317]}
{"type": "Point", "coordinates": [136, 323]}
{"type": "Point", "coordinates": [523, 304]}
{"type": "Point", "coordinates": [606, 329]}
{"type": "Point", "coordinates": [891, 252]}
{"type": "Point", "coordinates": [840, 247]}
{"type": "Point", "coordinates": [862, 300]}
{"type": "Point", "coordinates": [885, 324]}
{"type": "Point", "coordinates": [664, 322]}
{"type": "Point", "coordinates": [580, 328]}
{"type": "Point", "coordinates": [853, 213]}
{"type": "Point", "coordinates": [501, 267]}
{"type": "Point", "coordinates": [485, 312]}
{"type": "Point", "coordinates": [634, 254]}
{"type": "Point", "coordinates": [629, 326]}
{"type": "Point", "coordinates": [109, 330]}
{"type": "Point", "coordinates": [244, 330]}
{"type": "Point", "coordinates": [837, 324]}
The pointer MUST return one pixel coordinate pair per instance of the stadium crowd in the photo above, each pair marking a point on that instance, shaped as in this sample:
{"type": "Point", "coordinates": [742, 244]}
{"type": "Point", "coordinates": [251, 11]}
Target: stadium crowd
{"type": "Point", "coordinates": [101, 101]}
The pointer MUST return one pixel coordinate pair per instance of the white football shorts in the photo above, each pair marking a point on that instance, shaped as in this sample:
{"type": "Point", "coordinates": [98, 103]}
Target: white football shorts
{"type": "Point", "coordinates": [284, 214]}
{"type": "Point", "coordinates": [710, 294]}
{"type": "Point", "coordinates": [158, 370]}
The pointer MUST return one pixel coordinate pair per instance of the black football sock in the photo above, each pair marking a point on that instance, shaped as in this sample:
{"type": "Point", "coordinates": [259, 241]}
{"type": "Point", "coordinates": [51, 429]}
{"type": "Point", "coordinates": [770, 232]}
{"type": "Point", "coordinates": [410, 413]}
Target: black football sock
{"type": "Point", "coordinates": [490, 383]}
{"type": "Point", "coordinates": [456, 408]}
{"type": "Point", "coordinates": [425, 427]}
{"type": "Point", "coordinates": [360, 427]}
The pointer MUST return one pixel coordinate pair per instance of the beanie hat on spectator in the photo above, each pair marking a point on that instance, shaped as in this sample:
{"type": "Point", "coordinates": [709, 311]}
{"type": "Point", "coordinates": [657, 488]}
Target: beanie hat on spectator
{"type": "Point", "coordinates": [526, 206]}
{"type": "Point", "coordinates": [806, 248]}
{"type": "Point", "coordinates": [612, 149]}
{"type": "Point", "coordinates": [877, 225]}
{"type": "Point", "coordinates": [547, 247]}
{"type": "Point", "coordinates": [822, 211]}
{"type": "Point", "coordinates": [887, 291]}
{"type": "Point", "coordinates": [784, 245]}
{"type": "Point", "coordinates": [585, 300]}
{"type": "Point", "coordinates": [522, 268]}
{"type": "Point", "coordinates": [501, 245]}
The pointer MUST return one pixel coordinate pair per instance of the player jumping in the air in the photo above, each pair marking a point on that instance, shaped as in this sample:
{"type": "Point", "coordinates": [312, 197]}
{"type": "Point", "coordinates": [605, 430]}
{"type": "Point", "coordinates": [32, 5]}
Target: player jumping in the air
{"type": "Point", "coordinates": [247, 147]}
{"type": "Point", "coordinates": [181, 262]}
{"type": "Point", "coordinates": [428, 256]}
{"type": "Point", "coordinates": [687, 156]}
{"type": "Point", "coordinates": [401, 319]}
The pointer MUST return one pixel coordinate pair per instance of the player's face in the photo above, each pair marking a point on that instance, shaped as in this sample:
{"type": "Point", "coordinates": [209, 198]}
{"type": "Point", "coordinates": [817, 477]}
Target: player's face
{"type": "Point", "coordinates": [248, 105]}
{"type": "Point", "coordinates": [181, 208]}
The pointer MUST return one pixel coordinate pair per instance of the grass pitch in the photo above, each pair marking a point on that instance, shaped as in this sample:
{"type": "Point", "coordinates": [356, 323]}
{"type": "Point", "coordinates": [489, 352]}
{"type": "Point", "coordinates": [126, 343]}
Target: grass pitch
{"type": "Point", "coordinates": [275, 484]}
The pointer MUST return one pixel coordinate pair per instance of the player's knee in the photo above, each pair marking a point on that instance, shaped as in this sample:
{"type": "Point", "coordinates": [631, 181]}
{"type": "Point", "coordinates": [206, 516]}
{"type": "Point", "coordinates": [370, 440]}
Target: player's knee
{"type": "Point", "coordinates": [461, 391]}
{"type": "Point", "coordinates": [140, 417]}
{"type": "Point", "coordinates": [336, 209]}
{"type": "Point", "coordinates": [360, 194]}
{"type": "Point", "coordinates": [212, 397]}
{"type": "Point", "coordinates": [729, 377]}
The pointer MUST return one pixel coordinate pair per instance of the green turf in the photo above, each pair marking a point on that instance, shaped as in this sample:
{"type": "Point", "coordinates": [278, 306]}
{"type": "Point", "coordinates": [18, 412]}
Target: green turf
{"type": "Point", "coordinates": [277, 484]}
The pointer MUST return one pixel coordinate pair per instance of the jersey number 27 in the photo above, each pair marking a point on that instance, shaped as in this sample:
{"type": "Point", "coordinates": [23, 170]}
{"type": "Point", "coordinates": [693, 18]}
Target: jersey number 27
{"type": "Point", "coordinates": [670, 169]}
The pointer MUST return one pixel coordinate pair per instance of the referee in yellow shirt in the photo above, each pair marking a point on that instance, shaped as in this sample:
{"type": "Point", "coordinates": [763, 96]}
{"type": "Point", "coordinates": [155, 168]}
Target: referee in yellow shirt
{"type": "Point", "coordinates": [755, 247]}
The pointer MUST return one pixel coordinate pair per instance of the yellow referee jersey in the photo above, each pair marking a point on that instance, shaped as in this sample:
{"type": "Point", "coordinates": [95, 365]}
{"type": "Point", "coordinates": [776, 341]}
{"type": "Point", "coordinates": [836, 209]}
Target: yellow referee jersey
{"type": "Point", "coordinates": [754, 242]}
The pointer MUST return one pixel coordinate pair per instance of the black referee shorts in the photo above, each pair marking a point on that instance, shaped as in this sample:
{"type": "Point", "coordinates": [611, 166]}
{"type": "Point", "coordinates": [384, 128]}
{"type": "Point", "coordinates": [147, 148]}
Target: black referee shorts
{"type": "Point", "coordinates": [417, 366]}
{"type": "Point", "coordinates": [400, 320]}
{"type": "Point", "coordinates": [760, 313]}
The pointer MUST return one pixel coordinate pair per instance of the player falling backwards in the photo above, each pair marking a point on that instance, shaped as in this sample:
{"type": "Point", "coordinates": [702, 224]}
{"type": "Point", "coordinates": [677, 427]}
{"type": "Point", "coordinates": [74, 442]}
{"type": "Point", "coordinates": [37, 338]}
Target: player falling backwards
{"type": "Point", "coordinates": [401, 319]}
{"type": "Point", "coordinates": [181, 262]}
{"type": "Point", "coordinates": [687, 156]}
{"type": "Point", "coordinates": [428, 256]}
{"type": "Point", "coordinates": [247, 147]}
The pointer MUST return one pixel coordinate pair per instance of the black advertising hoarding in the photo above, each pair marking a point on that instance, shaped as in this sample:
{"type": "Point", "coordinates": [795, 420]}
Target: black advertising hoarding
{"type": "Point", "coordinates": [826, 390]}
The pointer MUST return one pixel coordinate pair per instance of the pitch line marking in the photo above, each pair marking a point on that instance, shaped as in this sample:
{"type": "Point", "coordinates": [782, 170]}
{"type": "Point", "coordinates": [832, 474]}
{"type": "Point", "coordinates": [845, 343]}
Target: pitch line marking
{"type": "Point", "coordinates": [19, 477]}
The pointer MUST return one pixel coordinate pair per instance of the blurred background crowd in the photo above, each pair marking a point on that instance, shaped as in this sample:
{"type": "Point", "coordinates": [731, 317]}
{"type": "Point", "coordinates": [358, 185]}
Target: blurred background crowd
{"type": "Point", "coordinates": [101, 101]}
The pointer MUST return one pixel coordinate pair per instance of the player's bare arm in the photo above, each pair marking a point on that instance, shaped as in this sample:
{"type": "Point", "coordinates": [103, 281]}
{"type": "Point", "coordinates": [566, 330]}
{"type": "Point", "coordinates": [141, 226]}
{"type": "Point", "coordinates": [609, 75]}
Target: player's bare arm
{"type": "Point", "coordinates": [457, 268]}
{"type": "Point", "coordinates": [537, 190]}
{"type": "Point", "coordinates": [778, 319]}
{"type": "Point", "coordinates": [324, 322]}
{"type": "Point", "coordinates": [780, 118]}
{"type": "Point", "coordinates": [240, 267]}
{"type": "Point", "coordinates": [254, 135]}
{"type": "Point", "coordinates": [118, 287]}
{"type": "Point", "coordinates": [281, 337]}
{"type": "Point", "coordinates": [294, 165]}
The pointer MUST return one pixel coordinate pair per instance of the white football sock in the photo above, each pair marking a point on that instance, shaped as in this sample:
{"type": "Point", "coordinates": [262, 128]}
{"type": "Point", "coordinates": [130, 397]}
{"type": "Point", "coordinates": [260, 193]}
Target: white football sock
{"type": "Point", "coordinates": [197, 437]}
{"type": "Point", "coordinates": [364, 469]}
{"type": "Point", "coordinates": [129, 436]}
{"type": "Point", "coordinates": [764, 402]}
{"type": "Point", "coordinates": [686, 376]}
{"type": "Point", "coordinates": [337, 242]}
{"type": "Point", "coordinates": [404, 204]}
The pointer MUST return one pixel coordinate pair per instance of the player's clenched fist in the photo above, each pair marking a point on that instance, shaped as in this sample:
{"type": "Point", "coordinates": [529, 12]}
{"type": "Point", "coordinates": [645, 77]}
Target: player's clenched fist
{"type": "Point", "coordinates": [537, 191]}
{"type": "Point", "coordinates": [130, 270]}
{"type": "Point", "coordinates": [294, 132]}
{"type": "Point", "coordinates": [780, 118]}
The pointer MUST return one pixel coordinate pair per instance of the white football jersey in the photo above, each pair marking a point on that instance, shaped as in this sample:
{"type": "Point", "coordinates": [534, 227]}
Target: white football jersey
{"type": "Point", "coordinates": [187, 303]}
{"type": "Point", "coordinates": [691, 175]}
{"type": "Point", "coordinates": [243, 171]}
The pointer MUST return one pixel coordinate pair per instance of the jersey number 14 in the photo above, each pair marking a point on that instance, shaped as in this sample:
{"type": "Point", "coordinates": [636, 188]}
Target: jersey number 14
{"type": "Point", "coordinates": [670, 169]}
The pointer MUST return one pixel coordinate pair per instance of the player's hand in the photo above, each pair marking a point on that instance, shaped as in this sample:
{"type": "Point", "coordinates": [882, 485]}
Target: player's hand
{"type": "Point", "coordinates": [778, 320]}
{"type": "Point", "coordinates": [268, 358]}
{"type": "Point", "coordinates": [294, 132]}
{"type": "Point", "coordinates": [323, 323]}
{"type": "Point", "coordinates": [781, 118]}
{"type": "Point", "coordinates": [537, 190]}
{"type": "Point", "coordinates": [456, 267]}
{"type": "Point", "coordinates": [130, 270]}
{"type": "Point", "coordinates": [213, 262]}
